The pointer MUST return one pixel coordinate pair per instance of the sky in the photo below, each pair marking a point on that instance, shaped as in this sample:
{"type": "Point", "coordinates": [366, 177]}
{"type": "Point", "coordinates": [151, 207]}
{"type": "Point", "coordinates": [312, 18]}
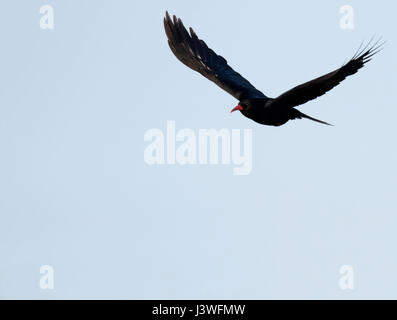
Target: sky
{"type": "Point", "coordinates": [78, 195]}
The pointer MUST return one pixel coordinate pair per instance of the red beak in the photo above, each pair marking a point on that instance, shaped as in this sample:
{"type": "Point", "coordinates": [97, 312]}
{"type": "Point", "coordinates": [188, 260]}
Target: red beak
{"type": "Point", "coordinates": [238, 107]}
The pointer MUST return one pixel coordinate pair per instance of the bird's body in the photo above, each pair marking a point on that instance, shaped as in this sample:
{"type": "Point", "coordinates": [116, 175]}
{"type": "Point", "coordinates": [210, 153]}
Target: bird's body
{"type": "Point", "coordinates": [253, 104]}
{"type": "Point", "coordinates": [260, 111]}
{"type": "Point", "coordinates": [263, 111]}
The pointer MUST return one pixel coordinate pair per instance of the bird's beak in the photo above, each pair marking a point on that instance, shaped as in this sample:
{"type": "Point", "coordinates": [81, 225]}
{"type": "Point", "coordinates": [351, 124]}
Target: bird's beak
{"type": "Point", "coordinates": [238, 107]}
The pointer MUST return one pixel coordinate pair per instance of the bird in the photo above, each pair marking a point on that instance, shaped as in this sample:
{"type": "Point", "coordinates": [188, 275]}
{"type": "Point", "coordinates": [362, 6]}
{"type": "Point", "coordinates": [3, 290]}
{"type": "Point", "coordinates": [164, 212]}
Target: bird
{"type": "Point", "coordinates": [253, 104]}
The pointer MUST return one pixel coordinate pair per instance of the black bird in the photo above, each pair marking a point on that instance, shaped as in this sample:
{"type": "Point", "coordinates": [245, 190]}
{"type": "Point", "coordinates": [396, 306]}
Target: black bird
{"type": "Point", "coordinates": [194, 53]}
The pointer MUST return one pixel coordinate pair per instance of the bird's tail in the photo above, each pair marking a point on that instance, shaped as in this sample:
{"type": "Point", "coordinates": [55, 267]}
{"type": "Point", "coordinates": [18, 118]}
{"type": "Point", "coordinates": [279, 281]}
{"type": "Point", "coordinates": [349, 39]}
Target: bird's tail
{"type": "Point", "coordinates": [300, 115]}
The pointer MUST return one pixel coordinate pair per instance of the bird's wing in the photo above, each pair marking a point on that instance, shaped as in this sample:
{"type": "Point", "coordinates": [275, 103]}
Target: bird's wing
{"type": "Point", "coordinates": [319, 86]}
{"type": "Point", "coordinates": [194, 53]}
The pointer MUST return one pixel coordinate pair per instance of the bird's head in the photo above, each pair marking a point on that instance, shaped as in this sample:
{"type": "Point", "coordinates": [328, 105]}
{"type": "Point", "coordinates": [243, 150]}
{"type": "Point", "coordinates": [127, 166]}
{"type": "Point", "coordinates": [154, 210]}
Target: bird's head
{"type": "Point", "coordinates": [241, 106]}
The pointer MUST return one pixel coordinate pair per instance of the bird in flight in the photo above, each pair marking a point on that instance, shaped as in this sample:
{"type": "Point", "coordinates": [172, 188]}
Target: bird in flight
{"type": "Point", "coordinates": [195, 54]}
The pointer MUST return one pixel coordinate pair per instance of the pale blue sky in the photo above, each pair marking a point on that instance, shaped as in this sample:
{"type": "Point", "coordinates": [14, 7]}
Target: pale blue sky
{"type": "Point", "coordinates": [76, 101]}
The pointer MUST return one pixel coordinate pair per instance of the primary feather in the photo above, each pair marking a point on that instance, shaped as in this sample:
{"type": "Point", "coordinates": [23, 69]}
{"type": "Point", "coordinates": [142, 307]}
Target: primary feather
{"type": "Point", "coordinates": [195, 54]}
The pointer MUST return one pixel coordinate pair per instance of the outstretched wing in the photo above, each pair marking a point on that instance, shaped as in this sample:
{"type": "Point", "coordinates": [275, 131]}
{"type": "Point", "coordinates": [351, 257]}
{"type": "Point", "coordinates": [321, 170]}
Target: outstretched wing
{"type": "Point", "coordinates": [319, 86]}
{"type": "Point", "coordinates": [194, 53]}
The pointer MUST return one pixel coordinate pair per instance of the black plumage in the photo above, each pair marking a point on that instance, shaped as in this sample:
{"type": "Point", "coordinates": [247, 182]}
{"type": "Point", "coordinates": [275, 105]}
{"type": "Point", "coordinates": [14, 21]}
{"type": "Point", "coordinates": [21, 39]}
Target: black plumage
{"type": "Point", "coordinates": [195, 54]}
